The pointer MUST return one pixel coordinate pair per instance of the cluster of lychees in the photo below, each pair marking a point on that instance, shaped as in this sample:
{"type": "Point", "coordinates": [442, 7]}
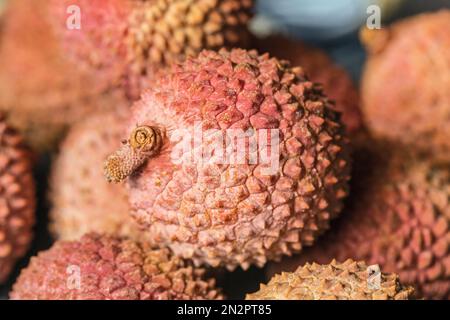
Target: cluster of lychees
{"type": "Point", "coordinates": [140, 207]}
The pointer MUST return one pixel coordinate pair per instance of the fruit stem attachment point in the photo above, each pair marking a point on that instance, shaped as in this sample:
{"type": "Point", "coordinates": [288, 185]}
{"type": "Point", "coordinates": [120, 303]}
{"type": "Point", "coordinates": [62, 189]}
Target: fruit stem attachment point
{"type": "Point", "coordinates": [375, 40]}
{"type": "Point", "coordinates": [143, 143]}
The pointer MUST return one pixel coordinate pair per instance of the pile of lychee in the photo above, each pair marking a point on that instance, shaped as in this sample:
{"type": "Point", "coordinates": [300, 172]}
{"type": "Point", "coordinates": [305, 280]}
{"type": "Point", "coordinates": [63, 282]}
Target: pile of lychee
{"type": "Point", "coordinates": [183, 144]}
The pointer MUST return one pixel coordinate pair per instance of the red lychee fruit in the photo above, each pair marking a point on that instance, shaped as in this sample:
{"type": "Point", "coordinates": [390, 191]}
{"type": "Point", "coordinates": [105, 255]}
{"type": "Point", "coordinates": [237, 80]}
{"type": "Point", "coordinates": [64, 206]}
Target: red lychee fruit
{"type": "Point", "coordinates": [406, 97]}
{"type": "Point", "coordinates": [350, 280]}
{"type": "Point", "coordinates": [398, 217]}
{"type": "Point", "coordinates": [41, 90]}
{"type": "Point", "coordinates": [79, 195]}
{"type": "Point", "coordinates": [124, 42]}
{"type": "Point", "coordinates": [17, 199]}
{"type": "Point", "coordinates": [108, 268]}
{"type": "Point", "coordinates": [245, 209]}
{"type": "Point", "coordinates": [336, 82]}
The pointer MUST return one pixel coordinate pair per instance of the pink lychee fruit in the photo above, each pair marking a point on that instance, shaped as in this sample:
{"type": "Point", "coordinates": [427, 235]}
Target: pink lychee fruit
{"type": "Point", "coordinates": [125, 42]}
{"type": "Point", "coordinates": [79, 195]}
{"type": "Point", "coordinates": [100, 267]}
{"type": "Point", "coordinates": [42, 91]}
{"type": "Point", "coordinates": [233, 159]}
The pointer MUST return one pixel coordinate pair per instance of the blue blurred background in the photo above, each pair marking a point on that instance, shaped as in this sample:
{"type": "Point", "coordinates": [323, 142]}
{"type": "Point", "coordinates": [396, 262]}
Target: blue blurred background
{"type": "Point", "coordinates": [333, 24]}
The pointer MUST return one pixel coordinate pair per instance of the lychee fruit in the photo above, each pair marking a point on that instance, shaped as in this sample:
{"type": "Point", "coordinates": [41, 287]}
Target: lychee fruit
{"type": "Point", "coordinates": [398, 217]}
{"type": "Point", "coordinates": [17, 199]}
{"type": "Point", "coordinates": [264, 177]}
{"type": "Point", "coordinates": [79, 195]}
{"type": "Point", "coordinates": [40, 89]}
{"type": "Point", "coordinates": [350, 280]}
{"type": "Point", "coordinates": [406, 96]}
{"type": "Point", "coordinates": [337, 83]}
{"type": "Point", "coordinates": [109, 268]}
{"type": "Point", "coordinates": [125, 42]}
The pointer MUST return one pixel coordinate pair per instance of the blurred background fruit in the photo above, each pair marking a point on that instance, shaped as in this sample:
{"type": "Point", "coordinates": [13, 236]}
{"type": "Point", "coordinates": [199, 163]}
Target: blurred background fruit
{"type": "Point", "coordinates": [41, 91]}
{"type": "Point", "coordinates": [55, 75]}
{"type": "Point", "coordinates": [398, 217]}
{"type": "Point", "coordinates": [407, 97]}
{"type": "Point", "coordinates": [321, 20]}
{"type": "Point", "coordinates": [31, 104]}
{"type": "Point", "coordinates": [126, 42]}
{"type": "Point", "coordinates": [81, 199]}
{"type": "Point", "coordinates": [17, 199]}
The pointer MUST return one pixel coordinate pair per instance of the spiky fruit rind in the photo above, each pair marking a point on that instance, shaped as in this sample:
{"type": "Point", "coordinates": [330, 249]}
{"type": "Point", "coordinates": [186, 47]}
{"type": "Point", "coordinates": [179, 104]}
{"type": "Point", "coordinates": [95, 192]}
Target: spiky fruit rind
{"type": "Point", "coordinates": [237, 214]}
{"type": "Point", "coordinates": [336, 82]}
{"type": "Point", "coordinates": [406, 97]}
{"type": "Point", "coordinates": [398, 217]}
{"type": "Point", "coordinates": [108, 268]}
{"type": "Point", "coordinates": [178, 29]}
{"type": "Point", "coordinates": [350, 280]}
{"type": "Point", "coordinates": [17, 199]}
{"type": "Point", "coordinates": [136, 38]}
{"type": "Point", "coordinates": [79, 194]}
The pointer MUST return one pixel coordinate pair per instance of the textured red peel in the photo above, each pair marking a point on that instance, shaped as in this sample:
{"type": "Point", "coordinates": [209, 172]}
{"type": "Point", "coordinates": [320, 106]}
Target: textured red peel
{"type": "Point", "coordinates": [17, 199]}
{"type": "Point", "coordinates": [242, 213]}
{"type": "Point", "coordinates": [398, 218]}
{"type": "Point", "coordinates": [336, 82]}
{"type": "Point", "coordinates": [109, 268]}
{"type": "Point", "coordinates": [127, 42]}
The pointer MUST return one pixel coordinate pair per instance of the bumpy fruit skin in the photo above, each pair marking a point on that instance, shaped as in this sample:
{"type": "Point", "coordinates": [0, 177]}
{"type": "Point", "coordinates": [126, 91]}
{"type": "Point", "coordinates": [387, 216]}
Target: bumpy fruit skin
{"type": "Point", "coordinates": [398, 217]}
{"type": "Point", "coordinates": [236, 214]}
{"type": "Point", "coordinates": [406, 97]}
{"type": "Point", "coordinates": [350, 280]}
{"type": "Point", "coordinates": [336, 82]}
{"type": "Point", "coordinates": [109, 268]}
{"type": "Point", "coordinates": [126, 41]}
{"type": "Point", "coordinates": [41, 90]}
{"type": "Point", "coordinates": [79, 195]}
{"type": "Point", "coordinates": [17, 199]}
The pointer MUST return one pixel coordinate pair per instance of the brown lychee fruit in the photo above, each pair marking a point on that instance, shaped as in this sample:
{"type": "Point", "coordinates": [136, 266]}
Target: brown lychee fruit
{"type": "Point", "coordinates": [265, 174]}
{"type": "Point", "coordinates": [109, 268]}
{"type": "Point", "coordinates": [320, 68]}
{"type": "Point", "coordinates": [398, 217]}
{"type": "Point", "coordinates": [40, 89]}
{"type": "Point", "coordinates": [406, 96]}
{"type": "Point", "coordinates": [17, 199]}
{"type": "Point", "coordinates": [350, 280]}
{"type": "Point", "coordinates": [124, 42]}
{"type": "Point", "coordinates": [79, 195]}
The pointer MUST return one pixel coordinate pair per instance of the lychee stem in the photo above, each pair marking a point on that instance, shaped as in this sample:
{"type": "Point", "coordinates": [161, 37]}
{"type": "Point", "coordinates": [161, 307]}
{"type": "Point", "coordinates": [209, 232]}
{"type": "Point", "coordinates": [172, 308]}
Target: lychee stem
{"type": "Point", "coordinates": [374, 40]}
{"type": "Point", "coordinates": [144, 142]}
